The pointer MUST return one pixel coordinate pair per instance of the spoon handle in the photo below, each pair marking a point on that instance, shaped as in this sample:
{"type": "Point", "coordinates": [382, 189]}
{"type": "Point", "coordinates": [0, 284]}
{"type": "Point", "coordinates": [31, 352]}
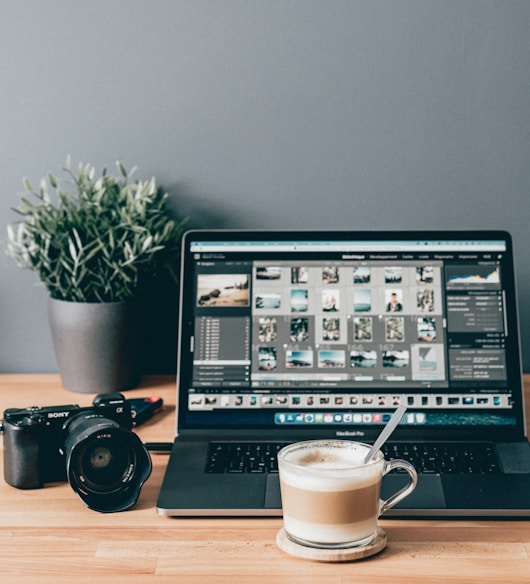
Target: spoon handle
{"type": "Point", "coordinates": [387, 430]}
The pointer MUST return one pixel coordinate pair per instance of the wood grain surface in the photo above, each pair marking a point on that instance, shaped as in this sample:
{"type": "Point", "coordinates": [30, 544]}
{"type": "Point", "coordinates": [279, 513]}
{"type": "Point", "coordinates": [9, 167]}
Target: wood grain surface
{"type": "Point", "coordinates": [48, 536]}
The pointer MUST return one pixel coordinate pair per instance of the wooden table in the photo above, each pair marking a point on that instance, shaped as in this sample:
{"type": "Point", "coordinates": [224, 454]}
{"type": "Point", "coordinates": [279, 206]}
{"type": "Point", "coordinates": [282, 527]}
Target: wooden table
{"type": "Point", "coordinates": [47, 535]}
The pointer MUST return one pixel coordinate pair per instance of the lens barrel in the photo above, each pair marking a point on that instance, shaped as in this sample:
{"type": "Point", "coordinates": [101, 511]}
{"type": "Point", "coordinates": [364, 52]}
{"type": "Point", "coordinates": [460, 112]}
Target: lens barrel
{"type": "Point", "coordinates": [106, 464]}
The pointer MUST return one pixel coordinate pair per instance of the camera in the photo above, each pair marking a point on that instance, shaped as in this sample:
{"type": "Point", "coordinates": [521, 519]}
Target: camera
{"type": "Point", "coordinates": [92, 447]}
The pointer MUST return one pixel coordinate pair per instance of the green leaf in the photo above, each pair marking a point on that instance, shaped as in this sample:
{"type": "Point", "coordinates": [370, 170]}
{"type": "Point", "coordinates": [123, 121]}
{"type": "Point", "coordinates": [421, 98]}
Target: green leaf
{"type": "Point", "coordinates": [72, 249]}
{"type": "Point", "coordinates": [52, 181]}
{"type": "Point", "coordinates": [66, 265]}
{"type": "Point", "coordinates": [77, 240]}
{"type": "Point", "coordinates": [27, 185]}
{"type": "Point", "coordinates": [26, 207]}
{"type": "Point", "coordinates": [147, 243]}
{"type": "Point", "coordinates": [122, 169]}
{"type": "Point", "coordinates": [101, 238]}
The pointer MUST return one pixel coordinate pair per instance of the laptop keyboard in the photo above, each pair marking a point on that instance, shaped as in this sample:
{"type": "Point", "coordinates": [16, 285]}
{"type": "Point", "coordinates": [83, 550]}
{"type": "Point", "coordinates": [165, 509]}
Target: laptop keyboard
{"type": "Point", "coordinates": [427, 458]}
{"type": "Point", "coordinates": [239, 457]}
{"type": "Point", "coordinates": [444, 458]}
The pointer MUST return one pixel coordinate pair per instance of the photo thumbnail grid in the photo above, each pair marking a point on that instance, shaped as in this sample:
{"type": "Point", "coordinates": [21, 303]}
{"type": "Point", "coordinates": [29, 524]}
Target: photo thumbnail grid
{"type": "Point", "coordinates": [373, 321]}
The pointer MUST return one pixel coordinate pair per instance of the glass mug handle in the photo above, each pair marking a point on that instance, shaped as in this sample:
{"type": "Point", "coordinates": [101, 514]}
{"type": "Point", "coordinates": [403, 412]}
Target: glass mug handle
{"type": "Point", "coordinates": [406, 490]}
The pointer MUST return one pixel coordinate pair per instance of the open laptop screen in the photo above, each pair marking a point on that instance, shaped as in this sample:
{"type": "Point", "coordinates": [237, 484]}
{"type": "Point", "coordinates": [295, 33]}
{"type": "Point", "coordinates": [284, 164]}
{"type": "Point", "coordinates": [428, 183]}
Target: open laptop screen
{"type": "Point", "coordinates": [315, 329]}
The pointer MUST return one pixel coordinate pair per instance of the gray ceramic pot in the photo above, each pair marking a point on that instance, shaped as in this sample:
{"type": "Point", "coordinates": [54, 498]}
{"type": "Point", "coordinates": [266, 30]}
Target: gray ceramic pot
{"type": "Point", "coordinates": [96, 345]}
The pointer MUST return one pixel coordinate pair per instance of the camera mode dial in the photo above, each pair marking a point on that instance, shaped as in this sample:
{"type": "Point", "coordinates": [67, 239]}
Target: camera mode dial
{"type": "Point", "coordinates": [33, 419]}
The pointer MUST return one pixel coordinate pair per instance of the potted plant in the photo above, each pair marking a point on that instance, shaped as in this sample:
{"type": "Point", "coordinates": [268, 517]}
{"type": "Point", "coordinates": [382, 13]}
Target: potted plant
{"type": "Point", "coordinates": [94, 242]}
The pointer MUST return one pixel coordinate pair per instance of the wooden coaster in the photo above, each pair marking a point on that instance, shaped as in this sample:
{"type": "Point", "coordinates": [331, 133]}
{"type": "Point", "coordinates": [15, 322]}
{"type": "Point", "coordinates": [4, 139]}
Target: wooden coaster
{"type": "Point", "coordinates": [329, 555]}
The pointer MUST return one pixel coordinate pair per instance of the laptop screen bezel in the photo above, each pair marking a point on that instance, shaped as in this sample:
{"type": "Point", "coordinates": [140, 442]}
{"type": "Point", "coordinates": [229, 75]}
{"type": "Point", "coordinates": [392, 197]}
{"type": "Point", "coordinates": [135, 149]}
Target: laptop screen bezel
{"type": "Point", "coordinates": [187, 323]}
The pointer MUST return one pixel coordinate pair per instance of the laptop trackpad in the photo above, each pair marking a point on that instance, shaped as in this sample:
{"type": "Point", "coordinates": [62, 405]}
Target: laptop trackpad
{"type": "Point", "coordinates": [427, 495]}
{"type": "Point", "coordinates": [273, 499]}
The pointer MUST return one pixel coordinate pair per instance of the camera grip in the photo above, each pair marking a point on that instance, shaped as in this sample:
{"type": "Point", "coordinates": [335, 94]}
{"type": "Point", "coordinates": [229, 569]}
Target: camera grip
{"type": "Point", "coordinates": [21, 457]}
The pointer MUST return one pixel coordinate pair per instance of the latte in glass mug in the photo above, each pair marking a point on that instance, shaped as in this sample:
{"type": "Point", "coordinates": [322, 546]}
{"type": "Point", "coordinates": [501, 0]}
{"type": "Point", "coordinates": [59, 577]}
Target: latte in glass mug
{"type": "Point", "coordinates": [330, 496]}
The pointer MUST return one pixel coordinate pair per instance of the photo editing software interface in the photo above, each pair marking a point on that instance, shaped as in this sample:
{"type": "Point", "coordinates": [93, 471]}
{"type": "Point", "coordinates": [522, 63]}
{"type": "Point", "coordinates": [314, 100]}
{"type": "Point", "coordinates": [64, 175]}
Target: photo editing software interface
{"type": "Point", "coordinates": [316, 332]}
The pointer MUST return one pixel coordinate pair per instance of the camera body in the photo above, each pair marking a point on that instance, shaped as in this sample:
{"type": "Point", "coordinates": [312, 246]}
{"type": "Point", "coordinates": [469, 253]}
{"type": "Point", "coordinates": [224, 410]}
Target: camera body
{"type": "Point", "coordinates": [34, 438]}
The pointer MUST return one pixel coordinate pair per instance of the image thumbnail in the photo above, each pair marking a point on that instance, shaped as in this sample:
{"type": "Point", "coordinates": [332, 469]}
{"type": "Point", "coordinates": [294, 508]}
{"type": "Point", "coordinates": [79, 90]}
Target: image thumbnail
{"type": "Point", "coordinates": [428, 359]}
{"type": "Point", "coordinates": [396, 358]}
{"type": "Point", "coordinates": [362, 328]}
{"type": "Point", "coordinates": [268, 301]}
{"type": "Point", "coordinates": [299, 301]}
{"type": "Point", "coordinates": [393, 275]}
{"type": "Point", "coordinates": [299, 275]}
{"type": "Point", "coordinates": [394, 328]}
{"type": "Point", "coordinates": [361, 275]}
{"type": "Point", "coordinates": [330, 300]}
{"type": "Point", "coordinates": [330, 329]}
{"type": "Point", "coordinates": [331, 359]}
{"type": "Point", "coordinates": [394, 300]}
{"type": "Point", "coordinates": [363, 358]}
{"type": "Point", "coordinates": [362, 300]}
{"type": "Point", "coordinates": [424, 274]}
{"type": "Point", "coordinates": [268, 330]}
{"type": "Point", "coordinates": [223, 290]}
{"type": "Point", "coordinates": [299, 330]}
{"type": "Point", "coordinates": [267, 360]}
{"type": "Point", "coordinates": [425, 300]}
{"type": "Point", "coordinates": [268, 273]}
{"type": "Point", "coordinates": [299, 359]}
{"type": "Point", "coordinates": [426, 329]}
{"type": "Point", "coordinates": [330, 275]}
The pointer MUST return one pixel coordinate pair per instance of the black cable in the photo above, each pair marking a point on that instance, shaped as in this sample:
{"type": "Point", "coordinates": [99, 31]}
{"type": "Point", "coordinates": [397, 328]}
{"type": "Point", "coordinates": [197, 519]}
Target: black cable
{"type": "Point", "coordinates": [159, 447]}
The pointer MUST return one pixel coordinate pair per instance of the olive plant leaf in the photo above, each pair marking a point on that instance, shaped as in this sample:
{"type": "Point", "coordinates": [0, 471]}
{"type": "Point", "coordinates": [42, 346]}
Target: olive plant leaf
{"type": "Point", "coordinates": [94, 238]}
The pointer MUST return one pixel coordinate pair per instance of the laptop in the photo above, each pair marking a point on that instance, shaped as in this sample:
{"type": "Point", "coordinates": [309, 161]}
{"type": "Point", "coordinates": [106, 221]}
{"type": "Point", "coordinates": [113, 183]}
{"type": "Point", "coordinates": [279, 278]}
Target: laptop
{"type": "Point", "coordinates": [295, 335]}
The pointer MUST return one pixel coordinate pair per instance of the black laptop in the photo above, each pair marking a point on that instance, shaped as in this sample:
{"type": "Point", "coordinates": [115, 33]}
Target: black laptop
{"type": "Point", "coordinates": [291, 335]}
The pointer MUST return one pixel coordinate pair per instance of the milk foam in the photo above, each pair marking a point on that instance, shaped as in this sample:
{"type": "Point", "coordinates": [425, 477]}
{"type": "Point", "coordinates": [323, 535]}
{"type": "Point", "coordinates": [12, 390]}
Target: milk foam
{"type": "Point", "coordinates": [331, 458]}
{"type": "Point", "coordinates": [336, 469]}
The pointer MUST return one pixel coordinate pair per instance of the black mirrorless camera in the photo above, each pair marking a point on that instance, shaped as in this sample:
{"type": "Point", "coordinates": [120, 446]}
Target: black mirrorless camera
{"type": "Point", "coordinates": [92, 447]}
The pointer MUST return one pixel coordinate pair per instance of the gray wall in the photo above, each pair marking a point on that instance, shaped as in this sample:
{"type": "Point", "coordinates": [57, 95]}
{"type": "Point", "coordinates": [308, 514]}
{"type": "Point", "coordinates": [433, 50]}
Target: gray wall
{"type": "Point", "coordinates": [281, 113]}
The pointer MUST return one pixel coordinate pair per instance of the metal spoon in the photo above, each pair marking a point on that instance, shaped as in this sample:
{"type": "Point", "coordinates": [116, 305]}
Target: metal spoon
{"type": "Point", "coordinates": [387, 430]}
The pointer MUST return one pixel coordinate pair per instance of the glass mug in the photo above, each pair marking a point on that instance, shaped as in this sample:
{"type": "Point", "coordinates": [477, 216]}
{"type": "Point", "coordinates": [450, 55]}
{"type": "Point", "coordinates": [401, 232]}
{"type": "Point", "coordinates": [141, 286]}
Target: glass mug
{"type": "Point", "coordinates": [330, 496]}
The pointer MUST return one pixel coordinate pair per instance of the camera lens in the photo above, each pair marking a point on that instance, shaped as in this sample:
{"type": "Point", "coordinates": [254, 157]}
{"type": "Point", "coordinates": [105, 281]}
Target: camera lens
{"type": "Point", "coordinates": [101, 458]}
{"type": "Point", "coordinates": [103, 463]}
{"type": "Point", "coordinates": [106, 463]}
